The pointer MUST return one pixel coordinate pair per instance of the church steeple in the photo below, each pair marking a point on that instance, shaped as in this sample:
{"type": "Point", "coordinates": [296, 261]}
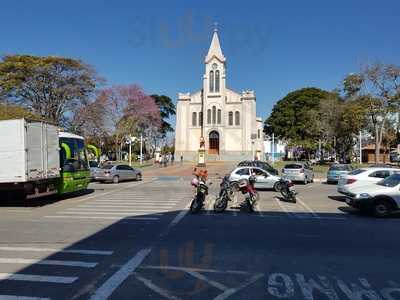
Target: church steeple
{"type": "Point", "coordinates": [215, 49]}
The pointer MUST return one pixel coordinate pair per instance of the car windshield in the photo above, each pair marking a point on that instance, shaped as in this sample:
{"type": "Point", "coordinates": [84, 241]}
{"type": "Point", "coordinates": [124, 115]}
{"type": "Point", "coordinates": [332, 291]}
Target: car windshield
{"type": "Point", "coordinates": [107, 167]}
{"type": "Point", "coordinates": [293, 166]}
{"type": "Point", "coordinates": [390, 181]}
{"type": "Point", "coordinates": [340, 168]}
{"type": "Point", "coordinates": [357, 171]}
{"type": "Point", "coordinates": [93, 164]}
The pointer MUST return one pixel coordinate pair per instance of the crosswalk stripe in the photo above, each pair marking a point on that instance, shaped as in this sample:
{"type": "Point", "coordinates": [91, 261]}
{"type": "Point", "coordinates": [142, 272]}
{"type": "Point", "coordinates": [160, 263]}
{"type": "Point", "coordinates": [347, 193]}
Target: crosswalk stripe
{"type": "Point", "coordinates": [122, 206]}
{"type": "Point", "coordinates": [109, 213]}
{"type": "Point", "coordinates": [71, 251]}
{"type": "Point", "coordinates": [50, 262]}
{"type": "Point", "coordinates": [115, 209]}
{"type": "Point", "coordinates": [116, 201]}
{"type": "Point", "coordinates": [12, 297]}
{"type": "Point", "coordinates": [103, 218]}
{"type": "Point", "coordinates": [37, 278]}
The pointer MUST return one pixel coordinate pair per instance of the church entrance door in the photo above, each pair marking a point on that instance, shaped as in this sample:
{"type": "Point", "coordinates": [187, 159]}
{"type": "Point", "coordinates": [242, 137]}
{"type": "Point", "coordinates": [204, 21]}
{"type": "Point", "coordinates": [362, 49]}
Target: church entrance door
{"type": "Point", "coordinates": [213, 142]}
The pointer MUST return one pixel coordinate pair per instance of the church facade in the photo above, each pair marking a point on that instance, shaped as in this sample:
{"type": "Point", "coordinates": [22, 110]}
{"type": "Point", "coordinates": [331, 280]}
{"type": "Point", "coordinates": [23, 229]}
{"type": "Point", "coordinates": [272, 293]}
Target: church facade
{"type": "Point", "coordinates": [224, 119]}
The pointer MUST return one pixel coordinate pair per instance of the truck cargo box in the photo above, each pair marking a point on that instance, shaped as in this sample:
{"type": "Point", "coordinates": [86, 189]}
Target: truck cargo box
{"type": "Point", "coordinates": [29, 151]}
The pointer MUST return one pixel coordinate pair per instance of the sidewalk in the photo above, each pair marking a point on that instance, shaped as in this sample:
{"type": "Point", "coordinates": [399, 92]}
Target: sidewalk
{"type": "Point", "coordinates": [215, 169]}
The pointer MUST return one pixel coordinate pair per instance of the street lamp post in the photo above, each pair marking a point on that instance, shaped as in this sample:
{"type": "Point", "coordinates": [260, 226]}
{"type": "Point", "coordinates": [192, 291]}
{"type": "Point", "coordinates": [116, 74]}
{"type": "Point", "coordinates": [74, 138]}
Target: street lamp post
{"type": "Point", "coordinates": [141, 149]}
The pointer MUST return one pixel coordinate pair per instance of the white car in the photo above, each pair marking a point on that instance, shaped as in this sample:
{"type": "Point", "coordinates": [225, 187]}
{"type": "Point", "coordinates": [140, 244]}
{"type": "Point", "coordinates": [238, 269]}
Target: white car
{"type": "Point", "coordinates": [264, 180]}
{"type": "Point", "coordinates": [380, 198]}
{"type": "Point", "coordinates": [362, 177]}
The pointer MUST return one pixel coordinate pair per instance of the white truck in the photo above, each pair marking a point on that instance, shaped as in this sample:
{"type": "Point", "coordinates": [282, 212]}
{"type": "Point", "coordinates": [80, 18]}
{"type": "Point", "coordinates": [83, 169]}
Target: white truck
{"type": "Point", "coordinates": [29, 158]}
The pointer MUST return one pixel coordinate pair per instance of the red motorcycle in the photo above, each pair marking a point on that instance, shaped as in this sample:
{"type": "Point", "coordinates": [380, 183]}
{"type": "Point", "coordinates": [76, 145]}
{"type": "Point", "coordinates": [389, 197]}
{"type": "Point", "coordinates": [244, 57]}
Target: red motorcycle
{"type": "Point", "coordinates": [246, 186]}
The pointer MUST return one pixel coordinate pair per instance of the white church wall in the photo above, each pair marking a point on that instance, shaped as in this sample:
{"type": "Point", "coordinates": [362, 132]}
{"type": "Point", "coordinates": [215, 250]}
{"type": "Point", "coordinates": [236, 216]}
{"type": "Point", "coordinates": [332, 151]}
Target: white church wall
{"type": "Point", "coordinates": [233, 139]}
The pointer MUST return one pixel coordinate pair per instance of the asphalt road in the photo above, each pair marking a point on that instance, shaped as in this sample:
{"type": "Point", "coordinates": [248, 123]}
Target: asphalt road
{"type": "Point", "coordinates": [136, 240]}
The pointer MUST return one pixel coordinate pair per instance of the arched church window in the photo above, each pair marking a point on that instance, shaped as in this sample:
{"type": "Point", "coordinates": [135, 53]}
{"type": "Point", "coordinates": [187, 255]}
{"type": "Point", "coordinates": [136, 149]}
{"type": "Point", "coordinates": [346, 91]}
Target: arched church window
{"type": "Point", "coordinates": [211, 81]}
{"type": "Point", "coordinates": [219, 116]}
{"type": "Point", "coordinates": [194, 119]}
{"type": "Point", "coordinates": [208, 116]}
{"type": "Point", "coordinates": [201, 118]}
{"type": "Point", "coordinates": [217, 81]}
{"type": "Point", "coordinates": [214, 114]}
{"type": "Point", "coordinates": [230, 118]}
{"type": "Point", "coordinates": [237, 118]}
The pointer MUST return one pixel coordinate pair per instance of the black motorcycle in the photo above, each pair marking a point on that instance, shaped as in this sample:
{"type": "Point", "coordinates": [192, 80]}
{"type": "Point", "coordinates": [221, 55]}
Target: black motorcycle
{"type": "Point", "coordinates": [199, 198]}
{"type": "Point", "coordinates": [225, 195]}
{"type": "Point", "coordinates": [287, 190]}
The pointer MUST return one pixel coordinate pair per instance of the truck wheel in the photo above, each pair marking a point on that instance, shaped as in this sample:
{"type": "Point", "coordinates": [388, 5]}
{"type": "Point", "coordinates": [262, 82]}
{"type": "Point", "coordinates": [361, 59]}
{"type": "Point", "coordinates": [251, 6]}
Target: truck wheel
{"type": "Point", "coordinates": [381, 208]}
{"type": "Point", "coordinates": [115, 179]}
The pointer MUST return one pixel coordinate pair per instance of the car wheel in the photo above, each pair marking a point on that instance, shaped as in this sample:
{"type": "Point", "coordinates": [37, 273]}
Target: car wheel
{"type": "Point", "coordinates": [305, 180]}
{"type": "Point", "coordinates": [138, 177]}
{"type": "Point", "coordinates": [381, 208]}
{"type": "Point", "coordinates": [277, 186]}
{"type": "Point", "coordinates": [115, 179]}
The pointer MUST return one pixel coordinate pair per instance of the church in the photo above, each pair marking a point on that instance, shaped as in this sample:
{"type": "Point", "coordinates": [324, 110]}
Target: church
{"type": "Point", "coordinates": [222, 120]}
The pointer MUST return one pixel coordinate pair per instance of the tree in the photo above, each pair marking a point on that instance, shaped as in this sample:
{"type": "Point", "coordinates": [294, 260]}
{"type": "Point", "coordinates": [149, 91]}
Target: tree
{"type": "Point", "coordinates": [377, 89]}
{"type": "Point", "coordinates": [167, 109]}
{"type": "Point", "coordinates": [129, 112]}
{"type": "Point", "coordinates": [90, 121]}
{"type": "Point", "coordinates": [8, 111]}
{"type": "Point", "coordinates": [295, 118]}
{"type": "Point", "coordinates": [49, 86]}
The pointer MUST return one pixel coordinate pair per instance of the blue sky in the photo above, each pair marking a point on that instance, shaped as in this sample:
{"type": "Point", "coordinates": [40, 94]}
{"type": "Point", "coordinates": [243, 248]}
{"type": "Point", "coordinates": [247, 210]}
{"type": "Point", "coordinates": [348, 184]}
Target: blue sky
{"type": "Point", "coordinates": [272, 47]}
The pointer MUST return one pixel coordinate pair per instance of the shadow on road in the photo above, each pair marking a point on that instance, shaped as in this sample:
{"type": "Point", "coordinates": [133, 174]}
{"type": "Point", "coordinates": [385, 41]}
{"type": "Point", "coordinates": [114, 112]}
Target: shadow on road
{"type": "Point", "coordinates": [11, 201]}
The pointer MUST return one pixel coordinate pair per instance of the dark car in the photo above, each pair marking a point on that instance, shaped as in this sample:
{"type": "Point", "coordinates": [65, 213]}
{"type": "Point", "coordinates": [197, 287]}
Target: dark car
{"type": "Point", "coordinates": [259, 164]}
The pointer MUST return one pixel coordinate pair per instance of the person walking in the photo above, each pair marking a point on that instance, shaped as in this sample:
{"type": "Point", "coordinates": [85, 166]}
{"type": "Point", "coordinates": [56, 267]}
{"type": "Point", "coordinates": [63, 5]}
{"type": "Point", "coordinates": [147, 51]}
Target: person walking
{"type": "Point", "coordinates": [172, 159]}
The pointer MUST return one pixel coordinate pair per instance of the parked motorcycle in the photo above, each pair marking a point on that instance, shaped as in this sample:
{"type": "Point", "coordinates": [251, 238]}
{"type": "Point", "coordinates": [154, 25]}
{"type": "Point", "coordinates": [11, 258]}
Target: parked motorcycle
{"type": "Point", "coordinates": [199, 182]}
{"type": "Point", "coordinates": [288, 190]}
{"type": "Point", "coordinates": [246, 186]}
{"type": "Point", "coordinates": [225, 195]}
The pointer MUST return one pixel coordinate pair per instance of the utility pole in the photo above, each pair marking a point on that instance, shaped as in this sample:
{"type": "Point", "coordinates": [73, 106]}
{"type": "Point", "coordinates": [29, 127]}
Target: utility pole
{"type": "Point", "coordinates": [273, 148]}
{"type": "Point", "coordinates": [360, 149]}
{"type": "Point", "coordinates": [130, 151]}
{"type": "Point", "coordinates": [141, 149]}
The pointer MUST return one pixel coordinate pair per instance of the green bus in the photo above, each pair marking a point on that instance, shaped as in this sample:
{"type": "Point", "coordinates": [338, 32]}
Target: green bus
{"type": "Point", "coordinates": [74, 165]}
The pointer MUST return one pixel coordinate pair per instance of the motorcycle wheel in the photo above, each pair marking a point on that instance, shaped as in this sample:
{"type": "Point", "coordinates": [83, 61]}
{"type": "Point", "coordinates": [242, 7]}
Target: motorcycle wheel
{"type": "Point", "coordinates": [251, 203]}
{"type": "Point", "coordinates": [285, 193]}
{"type": "Point", "coordinates": [220, 204]}
{"type": "Point", "coordinates": [195, 206]}
{"type": "Point", "coordinates": [293, 197]}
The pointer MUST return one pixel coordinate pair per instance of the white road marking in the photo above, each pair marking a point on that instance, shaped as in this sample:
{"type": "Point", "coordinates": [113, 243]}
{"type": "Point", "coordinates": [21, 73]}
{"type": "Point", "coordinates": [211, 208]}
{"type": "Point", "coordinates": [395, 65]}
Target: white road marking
{"type": "Point", "coordinates": [290, 214]}
{"type": "Point", "coordinates": [112, 283]}
{"type": "Point", "coordinates": [209, 281]}
{"type": "Point", "coordinates": [132, 202]}
{"type": "Point", "coordinates": [37, 278]}
{"type": "Point", "coordinates": [117, 209]}
{"type": "Point", "coordinates": [154, 288]}
{"type": "Point", "coordinates": [315, 215]}
{"type": "Point", "coordinates": [103, 218]}
{"type": "Point", "coordinates": [72, 251]}
{"type": "Point", "coordinates": [107, 213]}
{"type": "Point", "coordinates": [232, 291]}
{"type": "Point", "coordinates": [122, 206]}
{"type": "Point", "coordinates": [110, 192]}
{"type": "Point", "coordinates": [66, 263]}
{"type": "Point", "coordinates": [235, 203]}
{"type": "Point", "coordinates": [173, 268]}
{"type": "Point", "coordinates": [10, 297]}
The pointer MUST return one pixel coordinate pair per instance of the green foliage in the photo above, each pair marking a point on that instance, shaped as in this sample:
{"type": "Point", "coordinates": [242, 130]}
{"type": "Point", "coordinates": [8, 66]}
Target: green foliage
{"type": "Point", "coordinates": [49, 86]}
{"type": "Point", "coordinates": [167, 109]}
{"type": "Point", "coordinates": [8, 112]}
{"type": "Point", "coordinates": [295, 117]}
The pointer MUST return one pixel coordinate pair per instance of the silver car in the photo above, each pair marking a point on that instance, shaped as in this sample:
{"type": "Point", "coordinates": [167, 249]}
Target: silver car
{"type": "Point", "coordinates": [298, 172]}
{"type": "Point", "coordinates": [117, 173]}
{"type": "Point", "coordinates": [264, 180]}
